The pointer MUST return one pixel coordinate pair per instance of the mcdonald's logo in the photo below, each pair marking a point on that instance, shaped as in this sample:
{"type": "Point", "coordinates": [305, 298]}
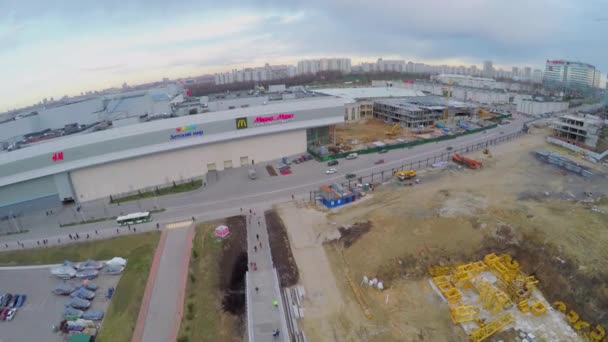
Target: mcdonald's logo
{"type": "Point", "coordinates": [241, 123]}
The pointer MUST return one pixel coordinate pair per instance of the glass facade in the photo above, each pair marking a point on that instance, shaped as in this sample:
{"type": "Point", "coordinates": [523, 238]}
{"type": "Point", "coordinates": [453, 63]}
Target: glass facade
{"type": "Point", "coordinates": [318, 136]}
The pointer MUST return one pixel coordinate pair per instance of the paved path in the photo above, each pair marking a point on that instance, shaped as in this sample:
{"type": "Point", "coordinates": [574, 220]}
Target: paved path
{"type": "Point", "coordinates": [263, 317]}
{"type": "Point", "coordinates": [162, 307]}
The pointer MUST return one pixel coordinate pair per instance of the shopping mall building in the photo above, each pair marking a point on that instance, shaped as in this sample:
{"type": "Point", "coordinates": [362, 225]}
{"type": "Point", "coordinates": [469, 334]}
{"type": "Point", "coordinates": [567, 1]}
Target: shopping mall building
{"type": "Point", "coordinates": [95, 165]}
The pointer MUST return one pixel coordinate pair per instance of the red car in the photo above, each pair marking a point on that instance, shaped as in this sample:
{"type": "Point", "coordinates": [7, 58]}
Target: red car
{"type": "Point", "coordinates": [3, 314]}
{"type": "Point", "coordinates": [285, 172]}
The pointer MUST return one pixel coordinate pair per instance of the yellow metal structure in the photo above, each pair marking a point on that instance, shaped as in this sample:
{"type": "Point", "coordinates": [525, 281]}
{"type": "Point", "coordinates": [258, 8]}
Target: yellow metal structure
{"type": "Point", "coordinates": [392, 132]}
{"type": "Point", "coordinates": [523, 306]}
{"type": "Point", "coordinates": [463, 313]}
{"type": "Point", "coordinates": [581, 325]}
{"type": "Point", "coordinates": [436, 271]}
{"type": "Point", "coordinates": [572, 317]}
{"type": "Point", "coordinates": [538, 308]}
{"type": "Point", "coordinates": [491, 328]}
{"type": "Point", "coordinates": [598, 334]}
{"type": "Point", "coordinates": [492, 299]}
{"type": "Point", "coordinates": [559, 305]}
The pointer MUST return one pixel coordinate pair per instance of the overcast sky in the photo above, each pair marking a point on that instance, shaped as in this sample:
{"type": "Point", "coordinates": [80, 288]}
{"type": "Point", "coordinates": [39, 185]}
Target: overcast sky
{"type": "Point", "coordinates": [53, 48]}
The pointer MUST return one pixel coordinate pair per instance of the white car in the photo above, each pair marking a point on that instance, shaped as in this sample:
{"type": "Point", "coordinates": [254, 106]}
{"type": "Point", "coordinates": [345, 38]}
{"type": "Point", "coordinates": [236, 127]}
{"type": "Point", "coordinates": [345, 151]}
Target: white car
{"type": "Point", "coordinates": [11, 314]}
{"type": "Point", "coordinates": [352, 156]}
{"type": "Point", "coordinates": [331, 171]}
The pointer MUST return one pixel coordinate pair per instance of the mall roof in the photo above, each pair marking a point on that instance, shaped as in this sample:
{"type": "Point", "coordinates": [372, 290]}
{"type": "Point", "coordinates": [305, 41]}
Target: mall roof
{"type": "Point", "coordinates": [368, 92]}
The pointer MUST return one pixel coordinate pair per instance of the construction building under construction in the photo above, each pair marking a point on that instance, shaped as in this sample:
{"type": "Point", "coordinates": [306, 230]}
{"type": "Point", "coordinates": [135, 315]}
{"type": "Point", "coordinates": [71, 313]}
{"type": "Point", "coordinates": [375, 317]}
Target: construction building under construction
{"type": "Point", "coordinates": [419, 111]}
{"type": "Point", "coordinates": [580, 130]}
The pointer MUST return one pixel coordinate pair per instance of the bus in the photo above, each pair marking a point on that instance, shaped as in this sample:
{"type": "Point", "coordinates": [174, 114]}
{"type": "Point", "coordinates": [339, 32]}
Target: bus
{"type": "Point", "coordinates": [134, 218]}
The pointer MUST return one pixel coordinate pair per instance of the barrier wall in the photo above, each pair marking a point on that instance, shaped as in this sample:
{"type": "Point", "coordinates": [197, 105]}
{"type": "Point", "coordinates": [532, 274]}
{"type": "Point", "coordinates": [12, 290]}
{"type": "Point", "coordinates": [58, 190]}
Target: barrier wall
{"type": "Point", "coordinates": [399, 145]}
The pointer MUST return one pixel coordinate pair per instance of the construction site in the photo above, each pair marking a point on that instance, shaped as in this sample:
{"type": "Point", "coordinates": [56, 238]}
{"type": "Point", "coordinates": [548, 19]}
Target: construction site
{"type": "Point", "coordinates": [381, 133]}
{"type": "Point", "coordinates": [495, 245]}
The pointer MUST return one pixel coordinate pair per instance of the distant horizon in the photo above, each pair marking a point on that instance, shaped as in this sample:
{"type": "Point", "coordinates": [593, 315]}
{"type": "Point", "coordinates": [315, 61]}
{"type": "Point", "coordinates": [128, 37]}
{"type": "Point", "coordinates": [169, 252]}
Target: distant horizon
{"type": "Point", "coordinates": [62, 48]}
{"type": "Point", "coordinates": [219, 69]}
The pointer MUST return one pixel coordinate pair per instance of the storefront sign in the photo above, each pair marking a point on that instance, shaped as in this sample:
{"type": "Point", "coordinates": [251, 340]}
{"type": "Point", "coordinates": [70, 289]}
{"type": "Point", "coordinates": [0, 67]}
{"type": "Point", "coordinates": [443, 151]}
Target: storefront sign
{"type": "Point", "coordinates": [270, 119]}
{"type": "Point", "coordinates": [186, 131]}
{"type": "Point", "coordinates": [57, 156]}
{"type": "Point", "coordinates": [241, 123]}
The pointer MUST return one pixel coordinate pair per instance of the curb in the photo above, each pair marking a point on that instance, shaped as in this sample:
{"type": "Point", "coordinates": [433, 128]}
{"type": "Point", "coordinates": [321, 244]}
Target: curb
{"type": "Point", "coordinates": [183, 282]}
{"type": "Point", "coordinates": [145, 303]}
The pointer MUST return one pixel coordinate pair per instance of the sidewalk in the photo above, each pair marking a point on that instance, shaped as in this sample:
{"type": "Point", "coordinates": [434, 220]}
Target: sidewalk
{"type": "Point", "coordinates": [263, 317]}
{"type": "Point", "coordinates": [160, 320]}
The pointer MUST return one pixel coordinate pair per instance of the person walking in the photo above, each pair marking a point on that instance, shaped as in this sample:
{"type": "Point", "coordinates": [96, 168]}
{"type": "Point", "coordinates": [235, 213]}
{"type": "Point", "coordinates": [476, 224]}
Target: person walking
{"type": "Point", "coordinates": [117, 231]}
{"type": "Point", "coordinates": [275, 303]}
{"type": "Point", "coordinates": [257, 236]}
{"type": "Point", "coordinates": [256, 289]}
{"type": "Point", "coordinates": [255, 249]}
{"type": "Point", "coordinates": [96, 233]}
{"type": "Point", "coordinates": [260, 245]}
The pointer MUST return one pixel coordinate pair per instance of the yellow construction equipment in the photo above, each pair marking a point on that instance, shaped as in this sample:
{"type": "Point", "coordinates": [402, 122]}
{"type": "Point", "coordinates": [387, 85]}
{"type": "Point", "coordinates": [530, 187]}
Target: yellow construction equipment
{"type": "Point", "coordinates": [392, 132]}
{"type": "Point", "coordinates": [581, 325]}
{"type": "Point", "coordinates": [491, 328]}
{"type": "Point", "coordinates": [463, 313]}
{"type": "Point", "coordinates": [492, 299]}
{"type": "Point", "coordinates": [405, 174]}
{"type": "Point", "coordinates": [523, 306]}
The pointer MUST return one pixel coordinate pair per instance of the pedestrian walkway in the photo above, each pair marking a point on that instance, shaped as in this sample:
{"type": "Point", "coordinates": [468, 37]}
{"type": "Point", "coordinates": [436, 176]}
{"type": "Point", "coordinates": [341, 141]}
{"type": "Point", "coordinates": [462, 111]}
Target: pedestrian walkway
{"type": "Point", "coordinates": [162, 307]}
{"type": "Point", "coordinates": [265, 312]}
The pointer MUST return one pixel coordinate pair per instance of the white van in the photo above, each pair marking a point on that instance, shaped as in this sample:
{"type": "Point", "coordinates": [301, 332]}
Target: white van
{"type": "Point", "coordinates": [352, 156]}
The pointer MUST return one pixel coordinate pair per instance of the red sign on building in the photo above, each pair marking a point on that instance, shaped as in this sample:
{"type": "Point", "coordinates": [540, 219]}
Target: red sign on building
{"type": "Point", "coordinates": [57, 156]}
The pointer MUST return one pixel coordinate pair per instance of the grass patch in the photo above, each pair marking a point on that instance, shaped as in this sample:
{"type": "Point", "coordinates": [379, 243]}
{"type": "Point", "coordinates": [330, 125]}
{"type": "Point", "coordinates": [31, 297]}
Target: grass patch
{"type": "Point", "coordinates": [175, 189]}
{"type": "Point", "coordinates": [204, 319]}
{"type": "Point", "coordinates": [121, 317]}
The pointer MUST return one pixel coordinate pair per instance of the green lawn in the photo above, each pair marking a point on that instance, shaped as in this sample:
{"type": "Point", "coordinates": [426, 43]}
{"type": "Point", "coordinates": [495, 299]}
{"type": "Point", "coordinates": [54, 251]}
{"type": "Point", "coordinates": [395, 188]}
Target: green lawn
{"type": "Point", "coordinates": [185, 187]}
{"type": "Point", "coordinates": [138, 249]}
{"type": "Point", "coordinates": [204, 319]}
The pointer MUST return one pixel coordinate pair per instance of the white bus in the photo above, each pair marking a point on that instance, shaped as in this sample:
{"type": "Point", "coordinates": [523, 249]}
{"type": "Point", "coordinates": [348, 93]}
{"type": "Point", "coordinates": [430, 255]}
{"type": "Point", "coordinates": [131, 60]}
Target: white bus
{"type": "Point", "coordinates": [134, 218]}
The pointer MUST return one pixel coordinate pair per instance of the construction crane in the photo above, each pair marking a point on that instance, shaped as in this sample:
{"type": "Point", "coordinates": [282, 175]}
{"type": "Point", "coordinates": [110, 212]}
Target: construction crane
{"type": "Point", "coordinates": [448, 93]}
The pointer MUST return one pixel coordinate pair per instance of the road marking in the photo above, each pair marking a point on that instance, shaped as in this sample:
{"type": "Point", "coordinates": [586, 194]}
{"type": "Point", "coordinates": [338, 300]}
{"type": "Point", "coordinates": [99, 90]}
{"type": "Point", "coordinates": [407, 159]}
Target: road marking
{"type": "Point", "coordinates": [176, 225]}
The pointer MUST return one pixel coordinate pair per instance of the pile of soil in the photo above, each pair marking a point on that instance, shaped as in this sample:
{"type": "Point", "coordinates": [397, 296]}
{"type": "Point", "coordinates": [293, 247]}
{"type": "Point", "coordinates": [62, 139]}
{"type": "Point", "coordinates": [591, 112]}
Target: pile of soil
{"type": "Point", "coordinates": [348, 235]}
{"type": "Point", "coordinates": [234, 260]}
{"type": "Point", "coordinates": [280, 248]}
{"type": "Point", "coordinates": [271, 170]}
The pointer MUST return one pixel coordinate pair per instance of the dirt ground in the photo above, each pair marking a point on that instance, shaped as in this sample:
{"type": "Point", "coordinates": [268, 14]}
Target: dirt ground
{"type": "Point", "coordinates": [550, 220]}
{"type": "Point", "coordinates": [233, 261]}
{"type": "Point", "coordinates": [367, 131]}
{"type": "Point", "coordinates": [282, 257]}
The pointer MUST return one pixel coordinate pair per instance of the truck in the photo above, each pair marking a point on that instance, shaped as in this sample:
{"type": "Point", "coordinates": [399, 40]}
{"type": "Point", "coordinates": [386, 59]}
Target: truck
{"type": "Point", "coordinates": [468, 162]}
{"type": "Point", "coordinates": [252, 174]}
{"type": "Point", "coordinates": [405, 174]}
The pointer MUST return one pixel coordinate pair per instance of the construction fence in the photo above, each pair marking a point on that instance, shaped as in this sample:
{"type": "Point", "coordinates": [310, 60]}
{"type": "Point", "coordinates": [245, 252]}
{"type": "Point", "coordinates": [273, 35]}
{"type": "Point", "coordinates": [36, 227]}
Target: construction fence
{"type": "Point", "coordinates": [386, 174]}
{"type": "Point", "coordinates": [407, 144]}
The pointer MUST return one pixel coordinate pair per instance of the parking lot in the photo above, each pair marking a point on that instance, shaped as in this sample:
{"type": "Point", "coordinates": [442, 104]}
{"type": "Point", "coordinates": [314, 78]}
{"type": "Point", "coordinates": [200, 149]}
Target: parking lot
{"type": "Point", "coordinates": [43, 309]}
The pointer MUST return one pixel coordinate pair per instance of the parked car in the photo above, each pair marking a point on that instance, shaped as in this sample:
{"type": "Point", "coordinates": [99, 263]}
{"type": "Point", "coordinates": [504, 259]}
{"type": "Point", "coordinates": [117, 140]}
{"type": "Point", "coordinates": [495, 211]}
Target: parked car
{"type": "Point", "coordinates": [282, 167]}
{"type": "Point", "coordinates": [350, 175]}
{"type": "Point", "coordinates": [286, 161]}
{"type": "Point", "coordinates": [3, 313]}
{"type": "Point", "coordinates": [383, 151]}
{"type": "Point", "coordinates": [13, 303]}
{"type": "Point", "coordinates": [449, 148]}
{"type": "Point", "coordinates": [21, 301]}
{"type": "Point", "coordinates": [6, 299]}
{"type": "Point", "coordinates": [331, 171]}
{"type": "Point", "coordinates": [11, 314]}
{"type": "Point", "coordinates": [352, 156]}
{"type": "Point", "coordinates": [332, 163]}
{"type": "Point", "coordinates": [381, 161]}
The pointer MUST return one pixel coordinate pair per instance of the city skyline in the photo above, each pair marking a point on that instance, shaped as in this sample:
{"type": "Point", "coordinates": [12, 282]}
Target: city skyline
{"type": "Point", "coordinates": [51, 50]}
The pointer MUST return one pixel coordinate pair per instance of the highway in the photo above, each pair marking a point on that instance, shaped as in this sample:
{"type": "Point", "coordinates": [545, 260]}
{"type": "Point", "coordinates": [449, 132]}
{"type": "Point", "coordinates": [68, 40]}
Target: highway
{"type": "Point", "coordinates": [225, 197]}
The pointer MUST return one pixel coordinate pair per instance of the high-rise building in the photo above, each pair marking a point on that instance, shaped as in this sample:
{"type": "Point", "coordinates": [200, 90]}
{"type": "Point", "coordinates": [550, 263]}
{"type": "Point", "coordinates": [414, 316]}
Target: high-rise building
{"type": "Point", "coordinates": [390, 65]}
{"type": "Point", "coordinates": [313, 66]}
{"type": "Point", "coordinates": [488, 69]}
{"type": "Point", "coordinates": [515, 72]}
{"type": "Point", "coordinates": [569, 75]}
{"type": "Point", "coordinates": [606, 96]}
{"type": "Point", "coordinates": [596, 78]}
{"type": "Point", "coordinates": [527, 73]}
{"type": "Point", "coordinates": [537, 76]}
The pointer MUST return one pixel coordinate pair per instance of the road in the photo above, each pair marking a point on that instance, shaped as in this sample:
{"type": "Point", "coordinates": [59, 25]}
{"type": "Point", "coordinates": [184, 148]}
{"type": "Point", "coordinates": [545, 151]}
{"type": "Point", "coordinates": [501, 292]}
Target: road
{"type": "Point", "coordinates": [233, 190]}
